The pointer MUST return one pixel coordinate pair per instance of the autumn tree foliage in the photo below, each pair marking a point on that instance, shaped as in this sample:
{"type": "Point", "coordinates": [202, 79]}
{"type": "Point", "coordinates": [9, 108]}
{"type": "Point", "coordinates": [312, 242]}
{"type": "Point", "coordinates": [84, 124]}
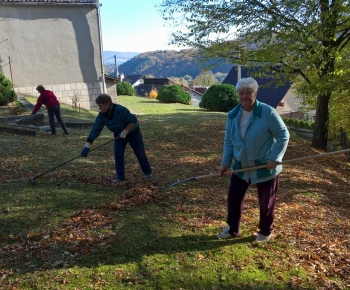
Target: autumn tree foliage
{"type": "Point", "coordinates": [171, 63]}
{"type": "Point", "coordinates": [205, 78]}
{"type": "Point", "coordinates": [303, 40]}
{"type": "Point", "coordinates": [153, 94]}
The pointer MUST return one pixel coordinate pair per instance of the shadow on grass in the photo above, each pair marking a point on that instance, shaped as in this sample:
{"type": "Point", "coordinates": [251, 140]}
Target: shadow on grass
{"type": "Point", "coordinates": [131, 248]}
{"type": "Point", "coordinates": [132, 239]}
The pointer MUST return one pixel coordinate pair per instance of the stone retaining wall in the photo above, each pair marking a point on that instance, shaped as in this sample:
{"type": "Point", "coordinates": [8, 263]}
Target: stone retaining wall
{"type": "Point", "coordinates": [84, 94]}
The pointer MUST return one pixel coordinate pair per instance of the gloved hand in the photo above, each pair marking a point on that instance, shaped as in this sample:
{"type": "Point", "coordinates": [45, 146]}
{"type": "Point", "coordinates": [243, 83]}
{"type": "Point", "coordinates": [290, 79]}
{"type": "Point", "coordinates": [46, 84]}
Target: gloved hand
{"type": "Point", "coordinates": [123, 134]}
{"type": "Point", "coordinates": [86, 149]}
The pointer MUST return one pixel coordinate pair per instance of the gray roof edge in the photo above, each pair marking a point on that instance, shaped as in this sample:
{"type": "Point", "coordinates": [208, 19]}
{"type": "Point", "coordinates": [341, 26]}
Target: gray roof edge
{"type": "Point", "coordinates": [50, 1]}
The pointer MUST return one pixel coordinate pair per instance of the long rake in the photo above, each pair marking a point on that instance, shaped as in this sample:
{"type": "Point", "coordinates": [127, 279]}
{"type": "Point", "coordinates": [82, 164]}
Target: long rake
{"type": "Point", "coordinates": [32, 178]}
{"type": "Point", "coordinates": [259, 167]}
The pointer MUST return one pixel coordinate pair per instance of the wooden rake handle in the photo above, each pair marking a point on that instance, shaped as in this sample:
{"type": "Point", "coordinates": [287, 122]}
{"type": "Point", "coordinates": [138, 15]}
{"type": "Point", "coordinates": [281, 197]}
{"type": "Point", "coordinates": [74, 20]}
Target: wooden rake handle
{"type": "Point", "coordinates": [32, 178]}
{"type": "Point", "coordinates": [295, 160]}
{"type": "Point", "coordinates": [263, 166]}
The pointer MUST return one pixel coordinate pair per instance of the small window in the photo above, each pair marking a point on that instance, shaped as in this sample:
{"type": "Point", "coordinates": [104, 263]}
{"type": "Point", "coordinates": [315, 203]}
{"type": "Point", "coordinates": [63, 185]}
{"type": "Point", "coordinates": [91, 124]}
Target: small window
{"type": "Point", "coordinates": [281, 104]}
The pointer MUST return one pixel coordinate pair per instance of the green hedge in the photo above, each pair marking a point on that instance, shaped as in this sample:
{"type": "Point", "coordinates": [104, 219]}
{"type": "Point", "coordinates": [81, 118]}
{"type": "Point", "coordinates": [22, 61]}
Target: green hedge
{"type": "Point", "coordinates": [219, 98]}
{"type": "Point", "coordinates": [125, 89]}
{"type": "Point", "coordinates": [297, 123]}
{"type": "Point", "coordinates": [173, 94]}
{"type": "Point", "coordinates": [7, 95]}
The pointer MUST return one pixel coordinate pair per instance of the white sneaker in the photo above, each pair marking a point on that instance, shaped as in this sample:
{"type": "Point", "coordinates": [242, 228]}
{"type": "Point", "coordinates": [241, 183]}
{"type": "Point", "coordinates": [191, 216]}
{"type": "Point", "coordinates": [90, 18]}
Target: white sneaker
{"type": "Point", "coordinates": [261, 238]}
{"type": "Point", "coordinates": [225, 234]}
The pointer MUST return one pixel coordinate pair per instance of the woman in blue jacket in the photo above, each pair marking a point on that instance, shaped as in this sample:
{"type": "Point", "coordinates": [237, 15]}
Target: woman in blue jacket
{"type": "Point", "coordinates": [255, 135]}
{"type": "Point", "coordinates": [124, 125]}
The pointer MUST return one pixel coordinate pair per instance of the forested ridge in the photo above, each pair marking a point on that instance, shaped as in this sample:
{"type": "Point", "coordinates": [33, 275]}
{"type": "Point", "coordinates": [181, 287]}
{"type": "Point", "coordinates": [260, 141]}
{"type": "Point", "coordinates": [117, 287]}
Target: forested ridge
{"type": "Point", "coordinates": [171, 63]}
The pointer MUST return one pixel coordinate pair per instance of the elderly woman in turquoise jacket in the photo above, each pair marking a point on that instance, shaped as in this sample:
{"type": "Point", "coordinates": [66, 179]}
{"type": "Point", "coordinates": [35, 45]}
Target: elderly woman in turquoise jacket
{"type": "Point", "coordinates": [255, 135]}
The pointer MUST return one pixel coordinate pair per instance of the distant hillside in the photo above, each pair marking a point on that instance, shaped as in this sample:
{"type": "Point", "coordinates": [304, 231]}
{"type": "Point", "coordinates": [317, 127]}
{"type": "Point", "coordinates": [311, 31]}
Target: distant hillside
{"type": "Point", "coordinates": [169, 63]}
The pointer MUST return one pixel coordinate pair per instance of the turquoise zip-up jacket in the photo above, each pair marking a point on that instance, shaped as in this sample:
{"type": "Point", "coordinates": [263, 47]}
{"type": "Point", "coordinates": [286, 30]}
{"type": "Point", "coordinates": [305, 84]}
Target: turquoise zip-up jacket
{"type": "Point", "coordinates": [266, 138]}
{"type": "Point", "coordinates": [116, 122]}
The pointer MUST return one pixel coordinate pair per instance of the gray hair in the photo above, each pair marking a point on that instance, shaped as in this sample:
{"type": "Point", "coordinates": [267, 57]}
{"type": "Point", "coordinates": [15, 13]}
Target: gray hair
{"type": "Point", "coordinates": [247, 83]}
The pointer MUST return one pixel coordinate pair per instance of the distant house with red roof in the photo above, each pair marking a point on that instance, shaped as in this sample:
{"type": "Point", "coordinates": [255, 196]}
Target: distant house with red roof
{"type": "Point", "coordinates": [150, 84]}
{"type": "Point", "coordinates": [199, 89]}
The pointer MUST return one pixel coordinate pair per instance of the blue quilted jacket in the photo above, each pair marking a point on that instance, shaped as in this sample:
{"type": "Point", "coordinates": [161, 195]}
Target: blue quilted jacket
{"type": "Point", "coordinates": [116, 122]}
{"type": "Point", "coordinates": [266, 138]}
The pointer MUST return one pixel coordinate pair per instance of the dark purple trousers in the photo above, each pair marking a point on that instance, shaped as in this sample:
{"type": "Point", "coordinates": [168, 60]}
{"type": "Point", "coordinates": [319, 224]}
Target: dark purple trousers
{"type": "Point", "coordinates": [267, 192]}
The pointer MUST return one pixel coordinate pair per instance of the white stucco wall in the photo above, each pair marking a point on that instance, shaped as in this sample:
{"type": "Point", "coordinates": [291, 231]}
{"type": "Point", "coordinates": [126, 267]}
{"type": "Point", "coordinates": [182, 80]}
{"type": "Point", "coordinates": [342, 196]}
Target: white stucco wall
{"type": "Point", "coordinates": [291, 103]}
{"type": "Point", "coordinates": [111, 89]}
{"type": "Point", "coordinates": [56, 46]}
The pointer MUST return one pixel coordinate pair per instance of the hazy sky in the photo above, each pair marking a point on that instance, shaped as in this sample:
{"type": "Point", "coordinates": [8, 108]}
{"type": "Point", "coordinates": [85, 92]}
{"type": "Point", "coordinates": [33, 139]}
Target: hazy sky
{"type": "Point", "coordinates": [133, 26]}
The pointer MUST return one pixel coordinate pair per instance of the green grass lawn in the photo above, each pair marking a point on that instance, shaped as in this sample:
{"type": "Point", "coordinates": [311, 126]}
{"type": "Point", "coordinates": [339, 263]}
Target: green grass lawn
{"type": "Point", "coordinates": [74, 229]}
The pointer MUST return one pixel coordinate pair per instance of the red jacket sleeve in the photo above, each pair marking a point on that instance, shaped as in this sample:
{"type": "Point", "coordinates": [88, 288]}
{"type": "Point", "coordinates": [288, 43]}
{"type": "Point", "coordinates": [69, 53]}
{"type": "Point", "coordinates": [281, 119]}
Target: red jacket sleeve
{"type": "Point", "coordinates": [38, 104]}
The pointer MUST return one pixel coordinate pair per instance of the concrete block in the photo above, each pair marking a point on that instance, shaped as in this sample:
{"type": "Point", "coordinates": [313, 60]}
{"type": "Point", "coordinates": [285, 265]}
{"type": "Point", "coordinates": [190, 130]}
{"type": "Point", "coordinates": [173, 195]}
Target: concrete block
{"type": "Point", "coordinates": [58, 94]}
{"type": "Point", "coordinates": [37, 119]}
{"type": "Point", "coordinates": [65, 94]}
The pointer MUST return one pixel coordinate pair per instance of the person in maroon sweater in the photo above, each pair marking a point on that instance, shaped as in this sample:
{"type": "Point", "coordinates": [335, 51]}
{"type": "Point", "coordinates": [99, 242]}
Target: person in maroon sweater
{"type": "Point", "coordinates": [49, 99]}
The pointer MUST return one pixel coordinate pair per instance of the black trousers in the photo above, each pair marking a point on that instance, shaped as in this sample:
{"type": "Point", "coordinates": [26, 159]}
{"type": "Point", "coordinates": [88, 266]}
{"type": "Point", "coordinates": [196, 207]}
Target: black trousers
{"type": "Point", "coordinates": [52, 112]}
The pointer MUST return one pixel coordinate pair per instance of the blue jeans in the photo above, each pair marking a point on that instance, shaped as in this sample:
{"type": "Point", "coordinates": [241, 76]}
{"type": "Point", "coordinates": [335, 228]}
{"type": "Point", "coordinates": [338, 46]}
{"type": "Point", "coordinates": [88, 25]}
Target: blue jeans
{"type": "Point", "coordinates": [52, 112]}
{"type": "Point", "coordinates": [136, 142]}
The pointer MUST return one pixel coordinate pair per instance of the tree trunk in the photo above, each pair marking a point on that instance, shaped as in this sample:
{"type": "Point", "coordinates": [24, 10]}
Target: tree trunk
{"type": "Point", "coordinates": [320, 135]}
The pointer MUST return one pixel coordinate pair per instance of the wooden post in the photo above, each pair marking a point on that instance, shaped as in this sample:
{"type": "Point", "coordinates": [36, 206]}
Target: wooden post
{"type": "Point", "coordinates": [11, 71]}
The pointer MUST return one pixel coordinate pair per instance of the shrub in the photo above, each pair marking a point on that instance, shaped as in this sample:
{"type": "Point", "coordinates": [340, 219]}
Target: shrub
{"type": "Point", "coordinates": [6, 93]}
{"type": "Point", "coordinates": [12, 96]}
{"type": "Point", "coordinates": [296, 123]}
{"type": "Point", "coordinates": [125, 88]}
{"type": "Point", "coordinates": [287, 121]}
{"type": "Point", "coordinates": [309, 123]}
{"type": "Point", "coordinates": [304, 124]}
{"type": "Point", "coordinates": [4, 98]}
{"type": "Point", "coordinates": [173, 94]}
{"type": "Point", "coordinates": [220, 98]}
{"type": "Point", "coordinates": [153, 94]}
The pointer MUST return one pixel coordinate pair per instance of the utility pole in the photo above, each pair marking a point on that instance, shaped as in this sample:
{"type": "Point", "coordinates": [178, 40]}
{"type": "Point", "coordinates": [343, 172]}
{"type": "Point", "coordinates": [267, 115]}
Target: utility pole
{"type": "Point", "coordinates": [116, 66]}
{"type": "Point", "coordinates": [11, 71]}
{"type": "Point", "coordinates": [239, 72]}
